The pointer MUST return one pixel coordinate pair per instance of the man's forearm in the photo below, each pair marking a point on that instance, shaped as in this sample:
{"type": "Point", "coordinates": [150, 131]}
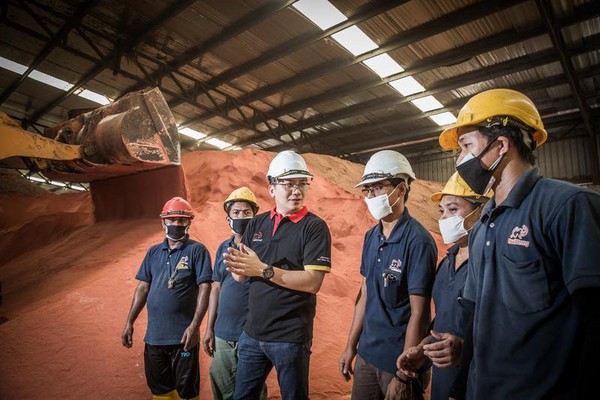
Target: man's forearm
{"type": "Point", "coordinates": [139, 301]}
{"type": "Point", "coordinates": [213, 303]}
{"type": "Point", "coordinates": [201, 304]}
{"type": "Point", "coordinates": [305, 281]}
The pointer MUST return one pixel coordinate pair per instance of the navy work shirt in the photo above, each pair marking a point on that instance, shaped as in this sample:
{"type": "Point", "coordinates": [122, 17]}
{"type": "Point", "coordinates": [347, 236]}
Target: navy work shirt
{"type": "Point", "coordinates": [233, 298]}
{"type": "Point", "coordinates": [449, 316]}
{"type": "Point", "coordinates": [297, 242]}
{"type": "Point", "coordinates": [527, 257]}
{"type": "Point", "coordinates": [170, 311]}
{"type": "Point", "coordinates": [410, 251]}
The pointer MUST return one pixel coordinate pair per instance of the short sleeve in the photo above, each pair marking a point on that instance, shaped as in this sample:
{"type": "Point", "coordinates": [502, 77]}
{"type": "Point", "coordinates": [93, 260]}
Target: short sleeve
{"type": "Point", "coordinates": [249, 232]}
{"type": "Point", "coordinates": [217, 275]}
{"type": "Point", "coordinates": [470, 289]}
{"type": "Point", "coordinates": [202, 265]}
{"type": "Point", "coordinates": [421, 268]}
{"type": "Point", "coordinates": [317, 248]}
{"type": "Point", "coordinates": [144, 274]}
{"type": "Point", "coordinates": [363, 258]}
{"type": "Point", "coordinates": [577, 233]}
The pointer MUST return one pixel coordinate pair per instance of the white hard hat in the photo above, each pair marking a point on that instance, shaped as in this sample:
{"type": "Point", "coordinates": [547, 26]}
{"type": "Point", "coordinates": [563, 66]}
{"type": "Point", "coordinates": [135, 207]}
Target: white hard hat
{"type": "Point", "coordinates": [288, 164]}
{"type": "Point", "coordinates": [386, 164]}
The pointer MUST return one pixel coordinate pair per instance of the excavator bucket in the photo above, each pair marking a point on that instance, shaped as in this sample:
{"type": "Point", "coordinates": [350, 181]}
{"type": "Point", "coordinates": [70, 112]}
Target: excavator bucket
{"type": "Point", "coordinates": [135, 133]}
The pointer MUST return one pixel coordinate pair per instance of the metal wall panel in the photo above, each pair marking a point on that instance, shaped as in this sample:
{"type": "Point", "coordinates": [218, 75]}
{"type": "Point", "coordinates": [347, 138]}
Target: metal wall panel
{"type": "Point", "coordinates": [566, 159]}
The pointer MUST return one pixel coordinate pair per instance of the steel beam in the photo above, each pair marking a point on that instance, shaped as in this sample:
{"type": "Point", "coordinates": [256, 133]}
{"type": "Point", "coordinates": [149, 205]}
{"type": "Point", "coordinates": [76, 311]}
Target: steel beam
{"type": "Point", "coordinates": [239, 26]}
{"type": "Point", "coordinates": [61, 35]}
{"type": "Point", "coordinates": [558, 42]}
{"type": "Point", "coordinates": [176, 8]}
{"type": "Point", "coordinates": [491, 72]}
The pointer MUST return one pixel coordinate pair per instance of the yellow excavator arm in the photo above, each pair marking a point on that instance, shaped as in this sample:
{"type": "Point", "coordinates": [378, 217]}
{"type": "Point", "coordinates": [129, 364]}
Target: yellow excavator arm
{"type": "Point", "coordinates": [135, 133]}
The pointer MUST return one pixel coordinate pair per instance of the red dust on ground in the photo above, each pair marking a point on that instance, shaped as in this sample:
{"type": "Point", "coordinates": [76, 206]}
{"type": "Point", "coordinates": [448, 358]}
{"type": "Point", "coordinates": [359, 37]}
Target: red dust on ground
{"type": "Point", "coordinates": [67, 281]}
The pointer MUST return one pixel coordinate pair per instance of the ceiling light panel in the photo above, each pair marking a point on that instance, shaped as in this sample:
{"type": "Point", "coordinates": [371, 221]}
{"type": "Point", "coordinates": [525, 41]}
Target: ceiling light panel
{"type": "Point", "coordinates": [407, 86]}
{"type": "Point", "coordinates": [383, 65]}
{"type": "Point", "coordinates": [321, 12]}
{"type": "Point", "coordinates": [354, 40]}
{"type": "Point", "coordinates": [427, 103]}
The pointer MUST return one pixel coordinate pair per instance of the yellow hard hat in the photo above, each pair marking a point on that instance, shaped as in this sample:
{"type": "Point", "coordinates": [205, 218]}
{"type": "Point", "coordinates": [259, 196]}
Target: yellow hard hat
{"type": "Point", "coordinates": [456, 186]}
{"type": "Point", "coordinates": [500, 103]}
{"type": "Point", "coordinates": [241, 194]}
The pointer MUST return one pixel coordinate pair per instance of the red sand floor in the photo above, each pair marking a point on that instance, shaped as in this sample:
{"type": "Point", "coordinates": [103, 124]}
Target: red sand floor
{"type": "Point", "coordinates": [67, 281]}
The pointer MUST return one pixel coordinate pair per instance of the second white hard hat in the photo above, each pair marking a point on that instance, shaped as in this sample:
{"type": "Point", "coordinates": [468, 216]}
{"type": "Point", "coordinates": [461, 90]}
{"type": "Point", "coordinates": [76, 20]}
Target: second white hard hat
{"type": "Point", "coordinates": [386, 164]}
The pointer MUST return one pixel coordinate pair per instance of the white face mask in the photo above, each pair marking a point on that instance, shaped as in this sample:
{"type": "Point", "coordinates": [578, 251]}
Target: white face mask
{"type": "Point", "coordinates": [453, 228]}
{"type": "Point", "coordinates": [379, 206]}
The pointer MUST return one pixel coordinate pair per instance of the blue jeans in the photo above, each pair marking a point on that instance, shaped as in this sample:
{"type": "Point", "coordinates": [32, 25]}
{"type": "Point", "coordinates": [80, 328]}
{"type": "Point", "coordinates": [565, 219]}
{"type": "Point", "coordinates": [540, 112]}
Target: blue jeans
{"type": "Point", "coordinates": [256, 359]}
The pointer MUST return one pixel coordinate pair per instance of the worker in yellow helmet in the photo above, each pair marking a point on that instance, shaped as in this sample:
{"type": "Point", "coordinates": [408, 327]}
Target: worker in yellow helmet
{"type": "Point", "coordinates": [533, 271]}
{"type": "Point", "coordinates": [228, 303]}
{"type": "Point", "coordinates": [460, 208]}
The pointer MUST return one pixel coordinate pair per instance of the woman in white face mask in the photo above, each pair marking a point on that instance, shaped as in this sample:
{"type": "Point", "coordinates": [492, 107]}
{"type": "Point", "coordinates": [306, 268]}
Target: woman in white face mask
{"type": "Point", "coordinates": [460, 209]}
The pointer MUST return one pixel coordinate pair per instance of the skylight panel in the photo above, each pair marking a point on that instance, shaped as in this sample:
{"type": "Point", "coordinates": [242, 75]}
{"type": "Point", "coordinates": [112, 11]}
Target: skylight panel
{"type": "Point", "coordinates": [321, 12]}
{"type": "Point", "coordinates": [383, 65]}
{"type": "Point", "coordinates": [427, 103]}
{"type": "Point", "coordinates": [354, 40]}
{"type": "Point", "coordinates": [407, 86]}
{"type": "Point", "coordinates": [445, 118]}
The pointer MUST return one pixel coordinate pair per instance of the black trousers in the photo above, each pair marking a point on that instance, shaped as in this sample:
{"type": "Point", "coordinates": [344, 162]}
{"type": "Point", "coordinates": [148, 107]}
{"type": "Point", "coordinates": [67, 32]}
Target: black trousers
{"type": "Point", "coordinates": [170, 368]}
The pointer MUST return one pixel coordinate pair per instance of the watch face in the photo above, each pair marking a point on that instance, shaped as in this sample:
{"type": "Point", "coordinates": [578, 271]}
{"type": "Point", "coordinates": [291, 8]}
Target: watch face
{"type": "Point", "coordinates": [268, 272]}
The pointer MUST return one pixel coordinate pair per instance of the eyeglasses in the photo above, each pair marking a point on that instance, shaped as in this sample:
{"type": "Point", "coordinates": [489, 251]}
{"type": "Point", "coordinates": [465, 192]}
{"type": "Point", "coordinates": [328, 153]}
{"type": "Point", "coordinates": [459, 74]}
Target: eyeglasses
{"type": "Point", "coordinates": [375, 189]}
{"type": "Point", "coordinates": [302, 186]}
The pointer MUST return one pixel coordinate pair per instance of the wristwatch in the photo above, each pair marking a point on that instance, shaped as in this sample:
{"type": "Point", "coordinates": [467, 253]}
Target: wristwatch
{"type": "Point", "coordinates": [267, 272]}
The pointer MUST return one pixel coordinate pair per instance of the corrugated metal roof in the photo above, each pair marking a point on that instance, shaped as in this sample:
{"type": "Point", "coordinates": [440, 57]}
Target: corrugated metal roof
{"type": "Point", "coordinates": [311, 87]}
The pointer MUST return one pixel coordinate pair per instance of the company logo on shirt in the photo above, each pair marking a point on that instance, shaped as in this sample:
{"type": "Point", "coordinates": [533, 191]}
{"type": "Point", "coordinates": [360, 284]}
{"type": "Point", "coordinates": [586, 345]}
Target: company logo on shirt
{"type": "Point", "coordinates": [518, 234]}
{"type": "Point", "coordinates": [257, 237]}
{"type": "Point", "coordinates": [396, 265]}
{"type": "Point", "coordinates": [183, 263]}
{"type": "Point", "coordinates": [324, 259]}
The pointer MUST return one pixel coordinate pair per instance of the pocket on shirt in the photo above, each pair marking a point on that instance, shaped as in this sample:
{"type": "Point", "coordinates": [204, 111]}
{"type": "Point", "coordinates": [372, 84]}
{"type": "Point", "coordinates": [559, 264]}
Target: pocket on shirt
{"type": "Point", "coordinates": [525, 287]}
{"type": "Point", "coordinates": [395, 294]}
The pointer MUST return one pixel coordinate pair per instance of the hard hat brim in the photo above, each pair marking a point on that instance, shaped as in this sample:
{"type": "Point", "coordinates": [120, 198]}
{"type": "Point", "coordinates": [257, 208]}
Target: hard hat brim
{"type": "Point", "coordinates": [294, 176]}
{"type": "Point", "coordinates": [371, 180]}
{"type": "Point", "coordinates": [449, 138]}
{"type": "Point", "coordinates": [177, 215]}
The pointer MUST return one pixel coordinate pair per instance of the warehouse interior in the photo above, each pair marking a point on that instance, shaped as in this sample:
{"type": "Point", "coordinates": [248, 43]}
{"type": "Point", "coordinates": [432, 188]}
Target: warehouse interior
{"type": "Point", "coordinates": [334, 80]}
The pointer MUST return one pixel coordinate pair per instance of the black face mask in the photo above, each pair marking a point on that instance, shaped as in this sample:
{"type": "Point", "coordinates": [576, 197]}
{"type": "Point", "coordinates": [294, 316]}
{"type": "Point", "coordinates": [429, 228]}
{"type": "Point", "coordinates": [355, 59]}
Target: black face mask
{"type": "Point", "coordinates": [238, 226]}
{"type": "Point", "coordinates": [479, 179]}
{"type": "Point", "coordinates": [176, 232]}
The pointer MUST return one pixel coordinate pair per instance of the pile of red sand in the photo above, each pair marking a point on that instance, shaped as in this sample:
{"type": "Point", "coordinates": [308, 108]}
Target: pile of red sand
{"type": "Point", "coordinates": [67, 281]}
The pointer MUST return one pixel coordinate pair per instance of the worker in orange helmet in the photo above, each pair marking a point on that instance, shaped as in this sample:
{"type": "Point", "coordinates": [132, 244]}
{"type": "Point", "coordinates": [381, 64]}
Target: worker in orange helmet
{"type": "Point", "coordinates": [175, 279]}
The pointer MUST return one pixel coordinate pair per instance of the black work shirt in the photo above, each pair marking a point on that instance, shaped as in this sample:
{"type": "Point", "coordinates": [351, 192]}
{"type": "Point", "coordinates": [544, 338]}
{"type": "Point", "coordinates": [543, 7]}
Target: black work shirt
{"type": "Point", "coordinates": [297, 242]}
{"type": "Point", "coordinates": [527, 257]}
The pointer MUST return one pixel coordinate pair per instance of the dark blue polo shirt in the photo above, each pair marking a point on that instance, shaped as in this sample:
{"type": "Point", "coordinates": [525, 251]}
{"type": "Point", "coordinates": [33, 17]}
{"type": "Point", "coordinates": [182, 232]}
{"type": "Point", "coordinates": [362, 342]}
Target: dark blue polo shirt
{"type": "Point", "coordinates": [410, 250]}
{"type": "Point", "coordinates": [449, 316]}
{"type": "Point", "coordinates": [233, 298]}
{"type": "Point", "coordinates": [170, 311]}
{"type": "Point", "coordinates": [527, 257]}
{"type": "Point", "coordinates": [299, 242]}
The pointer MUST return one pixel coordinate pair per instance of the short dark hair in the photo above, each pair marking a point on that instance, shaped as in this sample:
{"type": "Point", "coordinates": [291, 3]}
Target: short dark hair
{"type": "Point", "coordinates": [515, 135]}
{"type": "Point", "coordinates": [396, 181]}
{"type": "Point", "coordinates": [230, 204]}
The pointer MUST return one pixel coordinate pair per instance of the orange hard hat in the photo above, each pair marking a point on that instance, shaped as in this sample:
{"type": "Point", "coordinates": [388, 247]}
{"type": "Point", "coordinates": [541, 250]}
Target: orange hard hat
{"type": "Point", "coordinates": [177, 207]}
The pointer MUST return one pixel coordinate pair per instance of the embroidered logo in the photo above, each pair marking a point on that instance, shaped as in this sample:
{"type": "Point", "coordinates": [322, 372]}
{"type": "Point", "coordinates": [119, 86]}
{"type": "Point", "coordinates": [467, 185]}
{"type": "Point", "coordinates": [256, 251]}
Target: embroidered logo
{"type": "Point", "coordinates": [324, 259]}
{"type": "Point", "coordinates": [257, 237]}
{"type": "Point", "coordinates": [183, 263]}
{"type": "Point", "coordinates": [518, 234]}
{"type": "Point", "coordinates": [396, 265]}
